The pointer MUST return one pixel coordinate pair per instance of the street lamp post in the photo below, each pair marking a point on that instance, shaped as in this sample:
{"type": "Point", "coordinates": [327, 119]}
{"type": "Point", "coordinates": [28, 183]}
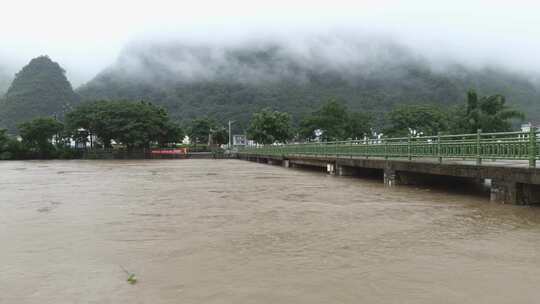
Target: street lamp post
{"type": "Point", "coordinates": [230, 134]}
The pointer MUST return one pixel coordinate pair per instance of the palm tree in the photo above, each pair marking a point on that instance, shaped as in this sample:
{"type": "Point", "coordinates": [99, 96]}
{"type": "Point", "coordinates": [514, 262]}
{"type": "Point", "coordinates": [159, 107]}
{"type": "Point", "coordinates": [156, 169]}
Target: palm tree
{"type": "Point", "coordinates": [489, 113]}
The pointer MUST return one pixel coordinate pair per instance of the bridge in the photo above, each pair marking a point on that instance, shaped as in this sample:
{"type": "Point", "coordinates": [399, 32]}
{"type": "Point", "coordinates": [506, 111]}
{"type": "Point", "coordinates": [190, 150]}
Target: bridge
{"type": "Point", "coordinates": [505, 161]}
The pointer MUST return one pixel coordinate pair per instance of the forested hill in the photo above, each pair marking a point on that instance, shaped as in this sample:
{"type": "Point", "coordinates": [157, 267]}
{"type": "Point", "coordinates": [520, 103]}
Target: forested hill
{"type": "Point", "coordinates": [5, 80]}
{"type": "Point", "coordinates": [233, 82]}
{"type": "Point", "coordinates": [39, 89]}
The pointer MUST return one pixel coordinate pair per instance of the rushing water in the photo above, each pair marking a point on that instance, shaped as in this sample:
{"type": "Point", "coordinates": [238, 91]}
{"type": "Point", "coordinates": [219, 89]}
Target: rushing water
{"type": "Point", "coordinates": [228, 231]}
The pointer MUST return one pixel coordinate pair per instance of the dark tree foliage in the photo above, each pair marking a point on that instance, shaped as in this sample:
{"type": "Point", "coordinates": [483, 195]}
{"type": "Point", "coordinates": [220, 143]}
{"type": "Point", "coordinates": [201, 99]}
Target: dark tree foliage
{"type": "Point", "coordinates": [331, 120]}
{"type": "Point", "coordinates": [133, 124]}
{"type": "Point", "coordinates": [416, 120]}
{"type": "Point", "coordinates": [4, 143]}
{"type": "Point", "coordinates": [487, 113]}
{"type": "Point", "coordinates": [268, 127]}
{"type": "Point", "coordinates": [359, 125]}
{"type": "Point", "coordinates": [3, 139]}
{"type": "Point", "coordinates": [206, 130]}
{"type": "Point", "coordinates": [335, 122]}
{"type": "Point", "coordinates": [40, 89]}
{"type": "Point", "coordinates": [200, 128]}
{"type": "Point", "coordinates": [11, 148]}
{"type": "Point", "coordinates": [37, 134]}
{"type": "Point", "coordinates": [170, 133]}
{"type": "Point", "coordinates": [220, 135]}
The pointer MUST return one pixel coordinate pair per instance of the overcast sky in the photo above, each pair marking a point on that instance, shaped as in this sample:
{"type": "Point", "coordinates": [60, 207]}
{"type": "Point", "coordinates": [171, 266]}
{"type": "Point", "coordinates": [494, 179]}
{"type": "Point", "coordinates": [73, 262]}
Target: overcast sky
{"type": "Point", "coordinates": [86, 36]}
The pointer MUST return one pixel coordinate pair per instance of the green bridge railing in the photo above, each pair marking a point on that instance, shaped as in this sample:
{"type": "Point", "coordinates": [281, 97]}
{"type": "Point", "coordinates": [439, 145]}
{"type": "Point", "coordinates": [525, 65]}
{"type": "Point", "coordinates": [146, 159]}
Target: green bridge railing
{"type": "Point", "coordinates": [479, 146]}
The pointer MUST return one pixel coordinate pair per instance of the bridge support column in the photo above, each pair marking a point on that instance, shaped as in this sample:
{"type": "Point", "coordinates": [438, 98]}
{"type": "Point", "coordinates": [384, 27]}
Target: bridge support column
{"type": "Point", "coordinates": [528, 194]}
{"type": "Point", "coordinates": [286, 163]}
{"type": "Point", "coordinates": [331, 169]}
{"type": "Point", "coordinates": [504, 192]}
{"type": "Point", "coordinates": [390, 178]}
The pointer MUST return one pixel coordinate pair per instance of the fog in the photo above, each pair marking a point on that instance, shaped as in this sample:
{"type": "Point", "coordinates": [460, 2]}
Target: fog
{"type": "Point", "coordinates": [86, 37]}
{"type": "Point", "coordinates": [260, 59]}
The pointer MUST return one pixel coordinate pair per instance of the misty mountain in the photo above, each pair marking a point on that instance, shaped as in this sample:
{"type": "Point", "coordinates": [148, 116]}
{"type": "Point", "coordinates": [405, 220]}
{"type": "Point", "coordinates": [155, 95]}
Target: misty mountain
{"type": "Point", "coordinates": [232, 82]}
{"type": "Point", "coordinates": [39, 89]}
{"type": "Point", "coordinates": [5, 80]}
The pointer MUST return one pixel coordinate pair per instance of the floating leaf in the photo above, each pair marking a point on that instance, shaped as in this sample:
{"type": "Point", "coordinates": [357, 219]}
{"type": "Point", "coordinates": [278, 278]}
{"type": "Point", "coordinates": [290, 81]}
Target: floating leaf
{"type": "Point", "coordinates": [132, 279]}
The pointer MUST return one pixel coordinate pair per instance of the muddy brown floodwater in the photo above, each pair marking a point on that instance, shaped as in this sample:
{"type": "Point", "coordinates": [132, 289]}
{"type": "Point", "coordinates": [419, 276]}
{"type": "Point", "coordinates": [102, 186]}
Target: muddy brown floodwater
{"type": "Point", "coordinates": [229, 231]}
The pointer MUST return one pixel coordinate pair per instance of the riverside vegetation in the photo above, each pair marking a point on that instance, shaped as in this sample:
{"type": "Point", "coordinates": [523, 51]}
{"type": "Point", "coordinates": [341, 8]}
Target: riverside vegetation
{"type": "Point", "coordinates": [135, 125]}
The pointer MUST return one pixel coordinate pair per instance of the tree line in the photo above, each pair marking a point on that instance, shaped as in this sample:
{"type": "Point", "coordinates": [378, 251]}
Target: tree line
{"type": "Point", "coordinates": [99, 124]}
{"type": "Point", "coordinates": [334, 122]}
{"type": "Point", "coordinates": [138, 125]}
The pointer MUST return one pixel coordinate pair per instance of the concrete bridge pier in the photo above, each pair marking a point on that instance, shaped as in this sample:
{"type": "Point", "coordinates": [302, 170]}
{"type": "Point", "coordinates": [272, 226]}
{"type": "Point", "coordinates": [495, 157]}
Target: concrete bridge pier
{"type": "Point", "coordinates": [504, 192]}
{"type": "Point", "coordinates": [390, 177]}
{"type": "Point", "coordinates": [286, 163]}
{"type": "Point", "coordinates": [331, 168]}
{"type": "Point", "coordinates": [530, 193]}
{"type": "Point", "coordinates": [509, 192]}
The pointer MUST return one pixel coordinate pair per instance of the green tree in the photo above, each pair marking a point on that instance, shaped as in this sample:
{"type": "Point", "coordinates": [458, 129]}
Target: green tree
{"type": "Point", "coordinates": [15, 150]}
{"type": "Point", "coordinates": [416, 120]}
{"type": "Point", "coordinates": [220, 135]}
{"type": "Point", "coordinates": [488, 113]}
{"type": "Point", "coordinates": [359, 125]}
{"type": "Point", "coordinates": [11, 148]}
{"type": "Point", "coordinates": [38, 134]}
{"type": "Point", "coordinates": [4, 142]}
{"type": "Point", "coordinates": [83, 122]}
{"type": "Point", "coordinates": [4, 138]}
{"type": "Point", "coordinates": [331, 120]}
{"type": "Point", "coordinates": [334, 121]}
{"type": "Point", "coordinates": [268, 127]}
{"type": "Point", "coordinates": [133, 124]}
{"type": "Point", "coordinates": [200, 129]}
{"type": "Point", "coordinates": [170, 133]}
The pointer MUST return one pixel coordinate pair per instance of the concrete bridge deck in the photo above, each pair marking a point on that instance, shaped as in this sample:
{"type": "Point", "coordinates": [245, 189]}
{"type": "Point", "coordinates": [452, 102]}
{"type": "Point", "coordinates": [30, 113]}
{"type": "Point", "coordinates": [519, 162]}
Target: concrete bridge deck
{"type": "Point", "coordinates": [511, 181]}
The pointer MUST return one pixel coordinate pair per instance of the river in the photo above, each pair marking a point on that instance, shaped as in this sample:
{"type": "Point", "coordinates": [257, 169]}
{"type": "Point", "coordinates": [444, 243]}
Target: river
{"type": "Point", "coordinates": [230, 231]}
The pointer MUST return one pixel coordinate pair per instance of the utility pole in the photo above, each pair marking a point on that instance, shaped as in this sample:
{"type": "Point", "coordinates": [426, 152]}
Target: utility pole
{"type": "Point", "coordinates": [230, 134]}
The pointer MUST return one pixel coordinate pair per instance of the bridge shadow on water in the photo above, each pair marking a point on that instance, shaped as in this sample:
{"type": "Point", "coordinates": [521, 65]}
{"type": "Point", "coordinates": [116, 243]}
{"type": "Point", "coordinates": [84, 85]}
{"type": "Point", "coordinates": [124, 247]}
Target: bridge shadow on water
{"type": "Point", "coordinates": [438, 183]}
{"type": "Point", "coordinates": [479, 188]}
{"type": "Point", "coordinates": [443, 184]}
{"type": "Point", "coordinates": [505, 190]}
